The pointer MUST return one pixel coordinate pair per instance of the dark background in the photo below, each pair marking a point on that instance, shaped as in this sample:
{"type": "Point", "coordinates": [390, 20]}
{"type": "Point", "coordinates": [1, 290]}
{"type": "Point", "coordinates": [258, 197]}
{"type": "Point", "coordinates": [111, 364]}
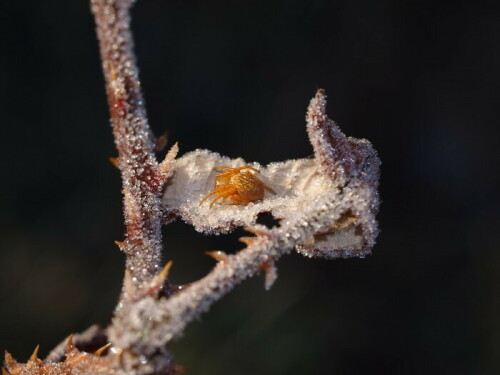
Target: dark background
{"type": "Point", "coordinates": [420, 79]}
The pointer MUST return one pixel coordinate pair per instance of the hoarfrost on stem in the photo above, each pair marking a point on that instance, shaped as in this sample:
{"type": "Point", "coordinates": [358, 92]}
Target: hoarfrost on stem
{"type": "Point", "coordinates": [343, 173]}
{"type": "Point", "coordinates": [326, 207]}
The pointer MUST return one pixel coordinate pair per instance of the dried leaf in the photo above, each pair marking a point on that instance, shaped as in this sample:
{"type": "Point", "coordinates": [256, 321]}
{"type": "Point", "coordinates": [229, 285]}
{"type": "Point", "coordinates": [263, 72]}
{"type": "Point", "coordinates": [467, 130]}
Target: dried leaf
{"type": "Point", "coordinates": [343, 175]}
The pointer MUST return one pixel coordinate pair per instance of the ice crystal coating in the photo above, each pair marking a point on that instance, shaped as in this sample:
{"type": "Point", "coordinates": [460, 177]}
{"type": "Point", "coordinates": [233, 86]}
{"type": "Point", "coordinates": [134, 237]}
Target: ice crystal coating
{"type": "Point", "coordinates": [293, 181]}
{"type": "Point", "coordinates": [75, 363]}
{"type": "Point", "coordinates": [326, 206]}
{"type": "Point", "coordinates": [142, 176]}
{"type": "Point", "coordinates": [67, 359]}
{"type": "Point", "coordinates": [344, 172]}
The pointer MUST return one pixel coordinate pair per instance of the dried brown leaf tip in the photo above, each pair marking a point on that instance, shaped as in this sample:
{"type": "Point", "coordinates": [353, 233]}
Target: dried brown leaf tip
{"type": "Point", "coordinates": [335, 192]}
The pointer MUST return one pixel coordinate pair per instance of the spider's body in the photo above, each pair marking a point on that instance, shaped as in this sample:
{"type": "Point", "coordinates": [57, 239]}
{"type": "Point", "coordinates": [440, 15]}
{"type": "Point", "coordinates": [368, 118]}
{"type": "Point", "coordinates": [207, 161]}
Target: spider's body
{"type": "Point", "coordinates": [241, 187]}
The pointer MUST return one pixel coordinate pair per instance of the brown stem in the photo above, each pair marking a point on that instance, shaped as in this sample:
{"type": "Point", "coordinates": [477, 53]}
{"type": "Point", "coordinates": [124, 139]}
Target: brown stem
{"type": "Point", "coordinates": [142, 182]}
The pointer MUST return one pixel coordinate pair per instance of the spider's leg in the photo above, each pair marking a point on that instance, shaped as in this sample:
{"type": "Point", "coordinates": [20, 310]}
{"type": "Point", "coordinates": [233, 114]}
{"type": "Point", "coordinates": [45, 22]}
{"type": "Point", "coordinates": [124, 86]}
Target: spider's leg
{"type": "Point", "coordinates": [268, 188]}
{"type": "Point", "coordinates": [248, 167]}
{"type": "Point", "coordinates": [235, 170]}
{"type": "Point", "coordinates": [226, 169]}
{"type": "Point", "coordinates": [225, 192]}
{"type": "Point", "coordinates": [215, 191]}
{"type": "Point", "coordinates": [216, 199]}
{"type": "Point", "coordinates": [226, 174]}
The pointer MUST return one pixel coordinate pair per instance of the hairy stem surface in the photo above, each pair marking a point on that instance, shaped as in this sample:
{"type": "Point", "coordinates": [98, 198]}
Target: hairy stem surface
{"type": "Point", "coordinates": [142, 182]}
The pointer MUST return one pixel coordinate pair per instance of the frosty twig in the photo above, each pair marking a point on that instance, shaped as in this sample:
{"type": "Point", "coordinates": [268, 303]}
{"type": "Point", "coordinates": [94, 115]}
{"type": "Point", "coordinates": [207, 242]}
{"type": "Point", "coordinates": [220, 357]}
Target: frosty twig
{"type": "Point", "coordinates": [143, 178]}
{"type": "Point", "coordinates": [328, 213]}
{"type": "Point", "coordinates": [326, 206]}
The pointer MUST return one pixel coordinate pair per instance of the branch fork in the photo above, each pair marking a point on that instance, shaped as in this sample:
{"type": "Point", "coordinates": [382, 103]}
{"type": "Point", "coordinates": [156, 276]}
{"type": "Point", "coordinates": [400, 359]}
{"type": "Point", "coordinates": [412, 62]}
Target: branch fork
{"type": "Point", "coordinates": [326, 207]}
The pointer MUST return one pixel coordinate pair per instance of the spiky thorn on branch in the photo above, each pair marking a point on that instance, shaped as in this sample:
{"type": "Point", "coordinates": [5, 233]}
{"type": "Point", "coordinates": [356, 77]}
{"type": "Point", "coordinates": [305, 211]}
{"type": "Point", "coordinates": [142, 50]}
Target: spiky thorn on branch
{"type": "Point", "coordinates": [143, 177]}
{"type": "Point", "coordinates": [326, 205]}
{"type": "Point", "coordinates": [327, 208]}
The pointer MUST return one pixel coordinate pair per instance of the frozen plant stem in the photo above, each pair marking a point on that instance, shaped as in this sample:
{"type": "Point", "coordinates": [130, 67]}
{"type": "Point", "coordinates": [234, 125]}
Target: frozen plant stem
{"type": "Point", "coordinates": [142, 176]}
{"type": "Point", "coordinates": [326, 206]}
{"type": "Point", "coordinates": [329, 212]}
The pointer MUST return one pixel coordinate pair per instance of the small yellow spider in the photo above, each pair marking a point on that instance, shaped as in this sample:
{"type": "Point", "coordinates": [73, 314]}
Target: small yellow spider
{"type": "Point", "coordinates": [240, 187]}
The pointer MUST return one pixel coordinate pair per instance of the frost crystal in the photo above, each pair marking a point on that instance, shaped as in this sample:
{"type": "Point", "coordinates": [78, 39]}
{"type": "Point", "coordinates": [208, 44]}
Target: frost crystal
{"type": "Point", "coordinates": [326, 207]}
{"type": "Point", "coordinates": [343, 176]}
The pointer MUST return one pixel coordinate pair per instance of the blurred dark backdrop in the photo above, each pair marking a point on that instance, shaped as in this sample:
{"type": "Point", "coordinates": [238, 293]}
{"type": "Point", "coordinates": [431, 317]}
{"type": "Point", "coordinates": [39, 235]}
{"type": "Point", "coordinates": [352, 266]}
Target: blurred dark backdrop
{"type": "Point", "coordinates": [420, 79]}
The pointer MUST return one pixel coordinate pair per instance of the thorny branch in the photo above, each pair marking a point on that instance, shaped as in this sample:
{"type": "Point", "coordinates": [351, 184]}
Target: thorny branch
{"type": "Point", "coordinates": [142, 176]}
{"type": "Point", "coordinates": [326, 207]}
